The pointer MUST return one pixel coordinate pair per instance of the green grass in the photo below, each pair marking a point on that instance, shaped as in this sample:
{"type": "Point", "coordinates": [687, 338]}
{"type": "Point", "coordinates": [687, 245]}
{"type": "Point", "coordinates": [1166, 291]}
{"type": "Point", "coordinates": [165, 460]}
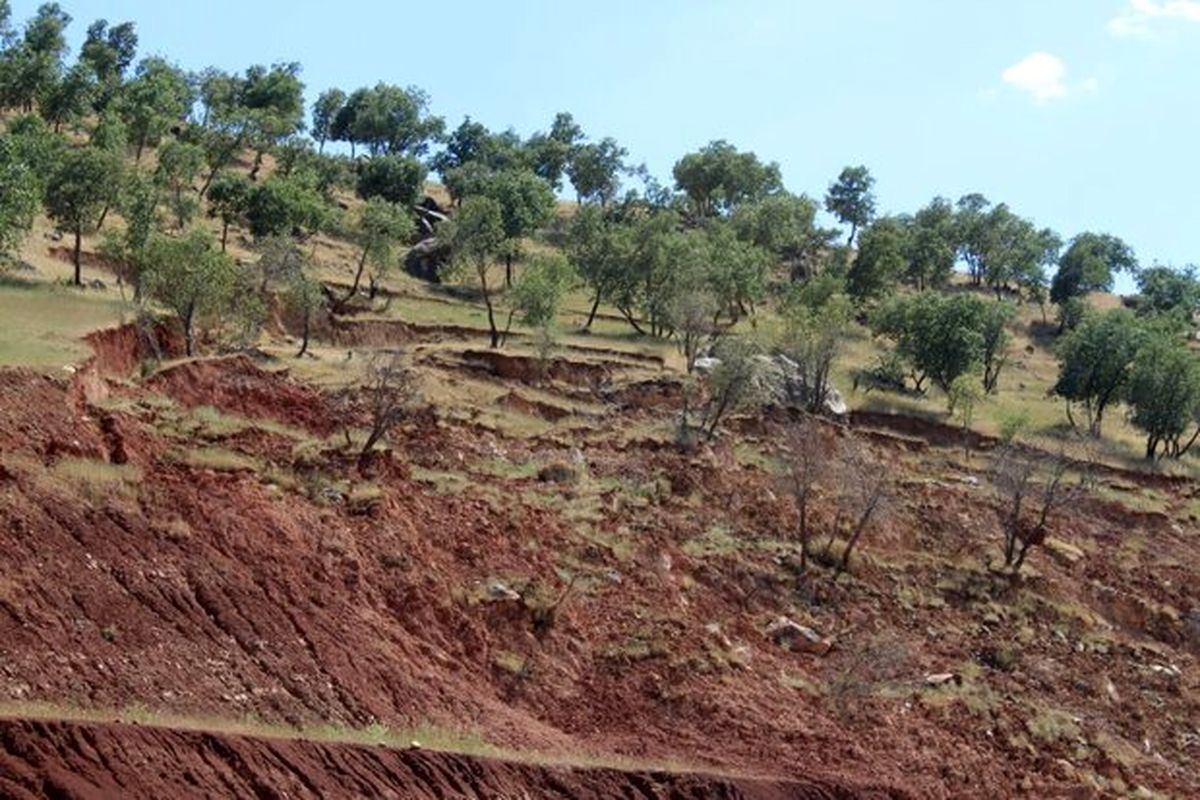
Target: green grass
{"type": "Point", "coordinates": [97, 480]}
{"type": "Point", "coordinates": [42, 325]}
{"type": "Point", "coordinates": [217, 459]}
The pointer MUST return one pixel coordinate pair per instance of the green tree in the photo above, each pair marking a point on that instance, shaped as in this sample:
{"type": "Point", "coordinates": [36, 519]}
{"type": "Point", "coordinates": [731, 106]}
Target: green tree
{"type": "Point", "coordinates": [396, 178]}
{"type": "Point", "coordinates": [962, 398]}
{"type": "Point", "coordinates": [736, 272]}
{"type": "Point", "coordinates": [932, 245]}
{"type": "Point", "coordinates": [284, 206]}
{"type": "Point", "coordinates": [595, 171]}
{"type": "Point", "coordinates": [269, 105]}
{"type": "Point", "coordinates": [850, 198]}
{"type": "Point", "coordinates": [388, 120]}
{"type": "Point", "coordinates": [68, 99]}
{"type": "Point", "coordinates": [971, 233]}
{"type": "Point", "coordinates": [538, 293]}
{"type": "Point", "coordinates": [600, 249]}
{"type": "Point", "coordinates": [229, 200]}
{"type": "Point", "coordinates": [994, 319]}
{"type": "Point", "coordinates": [139, 200]}
{"type": "Point", "coordinates": [303, 297]}
{"type": "Point", "coordinates": [157, 98]}
{"type": "Point", "coordinates": [381, 227]}
{"type": "Point", "coordinates": [20, 198]}
{"type": "Point", "coordinates": [107, 53]}
{"type": "Point", "coordinates": [1170, 292]}
{"type": "Point", "coordinates": [1164, 394]}
{"type": "Point", "coordinates": [881, 259]}
{"type": "Point", "coordinates": [193, 279]}
{"type": "Point", "coordinates": [178, 165]}
{"type": "Point", "coordinates": [31, 66]}
{"type": "Point", "coordinates": [475, 236]}
{"type": "Point", "coordinates": [1088, 266]}
{"type": "Point", "coordinates": [1008, 249]}
{"type": "Point", "coordinates": [324, 113]}
{"type": "Point", "coordinates": [79, 190]}
{"type": "Point", "coordinates": [526, 204]}
{"type": "Point", "coordinates": [550, 153]}
{"type": "Point", "coordinates": [110, 133]}
{"type": "Point", "coordinates": [1095, 363]}
{"type": "Point", "coordinates": [718, 178]}
{"type": "Point", "coordinates": [785, 225]}
{"type": "Point", "coordinates": [938, 337]}
{"type": "Point", "coordinates": [816, 316]}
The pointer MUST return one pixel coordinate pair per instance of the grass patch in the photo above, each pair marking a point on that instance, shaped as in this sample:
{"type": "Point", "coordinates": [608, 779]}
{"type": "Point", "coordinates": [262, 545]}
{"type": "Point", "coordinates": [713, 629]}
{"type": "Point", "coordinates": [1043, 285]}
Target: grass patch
{"type": "Point", "coordinates": [98, 480]}
{"type": "Point", "coordinates": [217, 459]}
{"type": "Point", "coordinates": [44, 323]}
{"type": "Point", "coordinates": [716, 541]}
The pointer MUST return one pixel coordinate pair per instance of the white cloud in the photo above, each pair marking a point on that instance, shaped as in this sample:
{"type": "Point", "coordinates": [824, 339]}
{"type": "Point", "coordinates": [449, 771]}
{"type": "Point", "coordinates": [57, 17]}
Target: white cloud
{"type": "Point", "coordinates": [1042, 75]}
{"type": "Point", "coordinates": [1137, 20]}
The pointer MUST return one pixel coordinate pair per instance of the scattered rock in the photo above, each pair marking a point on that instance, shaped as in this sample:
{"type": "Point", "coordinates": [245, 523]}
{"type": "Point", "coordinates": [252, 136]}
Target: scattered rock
{"type": "Point", "coordinates": [793, 636]}
{"type": "Point", "coordinates": [1063, 552]}
{"type": "Point", "coordinates": [499, 591]}
{"type": "Point", "coordinates": [943, 678]}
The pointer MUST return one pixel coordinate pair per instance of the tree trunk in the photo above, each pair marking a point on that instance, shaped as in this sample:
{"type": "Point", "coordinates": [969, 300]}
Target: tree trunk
{"type": "Point", "coordinates": [304, 341]}
{"type": "Point", "coordinates": [362, 263]}
{"type": "Point", "coordinates": [224, 233]}
{"type": "Point", "coordinates": [508, 270]}
{"type": "Point", "coordinates": [853, 231]}
{"type": "Point", "coordinates": [258, 160]}
{"type": "Point", "coordinates": [189, 331]}
{"type": "Point", "coordinates": [141, 145]}
{"type": "Point", "coordinates": [76, 256]}
{"type": "Point", "coordinates": [592, 314]}
{"type": "Point", "coordinates": [491, 314]}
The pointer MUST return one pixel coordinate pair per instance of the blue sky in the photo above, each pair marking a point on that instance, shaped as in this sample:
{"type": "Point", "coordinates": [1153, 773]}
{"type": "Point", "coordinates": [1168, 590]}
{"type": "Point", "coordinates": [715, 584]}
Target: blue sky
{"type": "Point", "coordinates": [1082, 114]}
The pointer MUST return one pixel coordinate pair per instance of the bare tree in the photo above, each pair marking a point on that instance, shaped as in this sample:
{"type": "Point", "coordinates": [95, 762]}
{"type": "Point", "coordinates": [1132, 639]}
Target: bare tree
{"type": "Point", "coordinates": [1032, 489]}
{"type": "Point", "coordinates": [808, 461]}
{"type": "Point", "coordinates": [389, 391]}
{"type": "Point", "coordinates": [866, 492]}
{"type": "Point", "coordinates": [731, 385]}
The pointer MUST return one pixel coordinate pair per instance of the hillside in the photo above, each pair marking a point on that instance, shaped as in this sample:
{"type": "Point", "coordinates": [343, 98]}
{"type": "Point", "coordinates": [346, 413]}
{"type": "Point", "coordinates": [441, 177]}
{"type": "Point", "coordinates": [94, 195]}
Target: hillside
{"type": "Point", "coordinates": [342, 455]}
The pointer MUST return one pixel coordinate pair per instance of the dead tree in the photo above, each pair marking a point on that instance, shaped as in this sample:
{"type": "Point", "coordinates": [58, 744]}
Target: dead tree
{"type": "Point", "coordinates": [808, 461]}
{"type": "Point", "coordinates": [866, 493]}
{"type": "Point", "coordinates": [389, 392]}
{"type": "Point", "coordinates": [1032, 488]}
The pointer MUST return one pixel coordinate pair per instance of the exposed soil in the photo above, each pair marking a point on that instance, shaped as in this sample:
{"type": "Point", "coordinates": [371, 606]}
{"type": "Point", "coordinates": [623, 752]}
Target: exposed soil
{"type": "Point", "coordinates": [81, 761]}
{"type": "Point", "coordinates": [630, 617]}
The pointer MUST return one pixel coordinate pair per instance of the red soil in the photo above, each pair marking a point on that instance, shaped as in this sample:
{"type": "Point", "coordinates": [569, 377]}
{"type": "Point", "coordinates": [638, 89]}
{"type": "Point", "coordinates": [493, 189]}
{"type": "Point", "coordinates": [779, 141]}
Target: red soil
{"type": "Point", "coordinates": [227, 595]}
{"type": "Point", "coordinates": [81, 761]}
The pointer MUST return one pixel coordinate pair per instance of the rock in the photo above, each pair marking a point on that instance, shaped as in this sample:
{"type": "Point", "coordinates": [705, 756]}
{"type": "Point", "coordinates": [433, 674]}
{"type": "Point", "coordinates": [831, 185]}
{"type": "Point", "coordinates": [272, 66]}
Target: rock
{"type": "Point", "coordinates": [798, 638]}
{"type": "Point", "coordinates": [1191, 627]}
{"type": "Point", "coordinates": [1065, 553]}
{"type": "Point", "coordinates": [943, 678]}
{"type": "Point", "coordinates": [499, 591]}
{"type": "Point", "coordinates": [25, 266]}
{"type": "Point", "coordinates": [779, 380]}
{"type": "Point", "coordinates": [425, 259]}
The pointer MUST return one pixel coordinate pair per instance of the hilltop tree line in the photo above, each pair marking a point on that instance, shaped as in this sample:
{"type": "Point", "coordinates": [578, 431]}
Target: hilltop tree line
{"type": "Point", "coordinates": [103, 134]}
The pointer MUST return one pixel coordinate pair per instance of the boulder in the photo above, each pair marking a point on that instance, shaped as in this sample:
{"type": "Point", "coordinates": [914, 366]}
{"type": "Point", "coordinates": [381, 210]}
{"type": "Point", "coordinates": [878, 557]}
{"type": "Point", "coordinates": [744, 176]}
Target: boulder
{"type": "Point", "coordinates": [425, 259]}
{"type": "Point", "coordinates": [793, 636]}
{"type": "Point", "coordinates": [780, 381]}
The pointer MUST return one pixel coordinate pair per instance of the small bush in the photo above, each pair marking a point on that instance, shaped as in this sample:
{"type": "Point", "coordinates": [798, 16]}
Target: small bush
{"type": "Point", "coordinates": [558, 472]}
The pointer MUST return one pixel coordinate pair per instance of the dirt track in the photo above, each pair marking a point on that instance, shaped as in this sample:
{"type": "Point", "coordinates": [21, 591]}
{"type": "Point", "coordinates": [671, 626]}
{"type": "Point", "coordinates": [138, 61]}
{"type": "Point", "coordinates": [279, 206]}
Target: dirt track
{"type": "Point", "coordinates": [80, 761]}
